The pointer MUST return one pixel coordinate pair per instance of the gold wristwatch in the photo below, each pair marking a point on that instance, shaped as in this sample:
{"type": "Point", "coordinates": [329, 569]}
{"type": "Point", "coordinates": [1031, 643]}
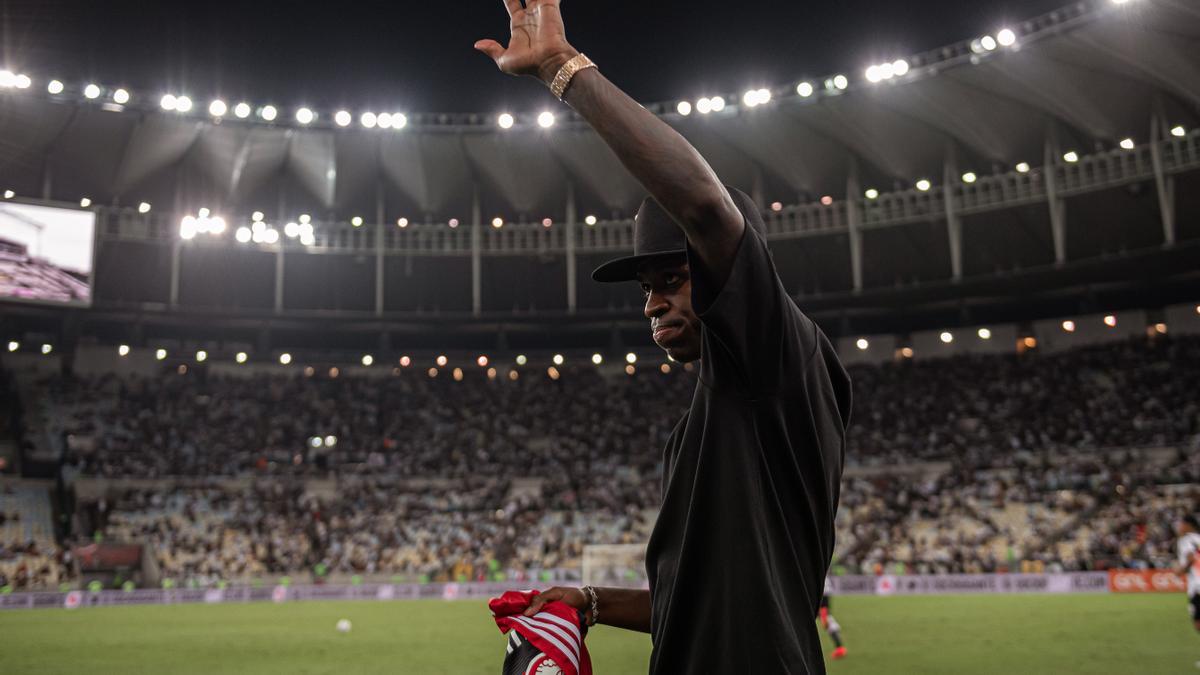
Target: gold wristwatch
{"type": "Point", "coordinates": [568, 72]}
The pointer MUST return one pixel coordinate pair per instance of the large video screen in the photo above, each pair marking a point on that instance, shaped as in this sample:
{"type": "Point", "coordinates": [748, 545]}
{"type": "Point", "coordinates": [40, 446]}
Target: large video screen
{"type": "Point", "coordinates": [46, 254]}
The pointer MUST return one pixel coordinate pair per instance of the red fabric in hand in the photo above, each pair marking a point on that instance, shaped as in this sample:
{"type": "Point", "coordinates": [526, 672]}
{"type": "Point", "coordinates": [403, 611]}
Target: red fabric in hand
{"type": "Point", "coordinates": [555, 629]}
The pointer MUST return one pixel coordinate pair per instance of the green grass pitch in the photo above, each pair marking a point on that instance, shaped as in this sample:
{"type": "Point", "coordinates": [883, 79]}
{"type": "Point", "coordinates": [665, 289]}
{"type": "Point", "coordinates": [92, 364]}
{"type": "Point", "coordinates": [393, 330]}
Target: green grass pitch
{"type": "Point", "coordinates": [1022, 634]}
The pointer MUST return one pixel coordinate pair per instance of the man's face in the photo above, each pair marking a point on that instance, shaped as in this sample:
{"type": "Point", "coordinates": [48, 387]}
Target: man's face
{"type": "Point", "coordinates": [667, 286]}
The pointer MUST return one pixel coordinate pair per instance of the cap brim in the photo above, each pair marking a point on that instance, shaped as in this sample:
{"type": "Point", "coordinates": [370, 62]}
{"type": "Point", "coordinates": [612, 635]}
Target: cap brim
{"type": "Point", "coordinates": [626, 269]}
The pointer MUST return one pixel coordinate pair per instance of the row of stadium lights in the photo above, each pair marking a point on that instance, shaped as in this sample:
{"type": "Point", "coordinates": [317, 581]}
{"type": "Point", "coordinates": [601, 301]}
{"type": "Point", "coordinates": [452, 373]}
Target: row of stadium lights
{"type": "Point", "coordinates": [631, 359]}
{"type": "Point", "coordinates": [1068, 326]}
{"type": "Point", "coordinates": [368, 361]}
{"type": "Point", "coordinates": [219, 109]}
{"type": "Point", "coordinates": [261, 232]}
{"type": "Point", "coordinates": [970, 177]}
{"type": "Point", "coordinates": [877, 73]}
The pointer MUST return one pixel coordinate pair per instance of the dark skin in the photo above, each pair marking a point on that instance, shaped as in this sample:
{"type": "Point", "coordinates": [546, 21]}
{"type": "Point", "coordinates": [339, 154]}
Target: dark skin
{"type": "Point", "coordinates": [675, 174]}
{"type": "Point", "coordinates": [667, 287]}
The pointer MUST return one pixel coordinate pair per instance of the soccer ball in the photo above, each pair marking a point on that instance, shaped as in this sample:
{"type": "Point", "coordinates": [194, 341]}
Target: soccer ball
{"type": "Point", "coordinates": [343, 626]}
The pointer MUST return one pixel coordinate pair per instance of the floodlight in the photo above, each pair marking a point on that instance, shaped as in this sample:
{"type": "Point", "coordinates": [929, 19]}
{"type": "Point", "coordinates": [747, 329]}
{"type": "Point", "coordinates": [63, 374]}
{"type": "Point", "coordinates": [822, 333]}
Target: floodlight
{"type": "Point", "coordinates": [218, 108]}
{"type": "Point", "coordinates": [268, 113]}
{"type": "Point", "coordinates": [342, 118]}
{"type": "Point", "coordinates": [91, 91]}
{"type": "Point", "coordinates": [505, 120]}
{"type": "Point", "coordinates": [120, 96]}
{"type": "Point", "coordinates": [684, 108]}
{"type": "Point", "coordinates": [305, 116]}
{"type": "Point", "coordinates": [546, 120]}
{"type": "Point", "coordinates": [242, 110]}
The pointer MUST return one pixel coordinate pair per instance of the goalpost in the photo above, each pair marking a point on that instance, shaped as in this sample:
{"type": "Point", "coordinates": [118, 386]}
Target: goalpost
{"type": "Point", "coordinates": [614, 565]}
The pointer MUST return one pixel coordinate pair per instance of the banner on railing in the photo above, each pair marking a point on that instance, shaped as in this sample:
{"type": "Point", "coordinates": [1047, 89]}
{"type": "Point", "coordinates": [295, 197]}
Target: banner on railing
{"type": "Point", "coordinates": [1075, 582]}
{"type": "Point", "coordinates": [934, 584]}
{"type": "Point", "coordinates": [1145, 581]}
{"type": "Point", "coordinates": [276, 594]}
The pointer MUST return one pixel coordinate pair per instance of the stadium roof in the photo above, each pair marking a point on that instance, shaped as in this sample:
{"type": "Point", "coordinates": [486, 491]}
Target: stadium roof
{"type": "Point", "coordinates": [1088, 75]}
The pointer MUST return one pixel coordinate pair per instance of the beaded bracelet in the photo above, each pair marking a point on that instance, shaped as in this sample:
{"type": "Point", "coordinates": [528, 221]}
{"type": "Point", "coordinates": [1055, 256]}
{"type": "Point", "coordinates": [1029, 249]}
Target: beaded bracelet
{"type": "Point", "coordinates": [595, 601]}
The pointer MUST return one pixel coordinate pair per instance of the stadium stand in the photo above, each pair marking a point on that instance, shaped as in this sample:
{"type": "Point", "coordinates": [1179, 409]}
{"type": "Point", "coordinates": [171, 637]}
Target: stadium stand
{"type": "Point", "coordinates": [1072, 460]}
{"type": "Point", "coordinates": [29, 556]}
{"type": "Point", "coordinates": [967, 408]}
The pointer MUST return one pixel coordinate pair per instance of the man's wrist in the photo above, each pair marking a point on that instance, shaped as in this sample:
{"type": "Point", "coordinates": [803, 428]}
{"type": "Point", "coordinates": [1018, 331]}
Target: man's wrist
{"type": "Point", "coordinates": [550, 67]}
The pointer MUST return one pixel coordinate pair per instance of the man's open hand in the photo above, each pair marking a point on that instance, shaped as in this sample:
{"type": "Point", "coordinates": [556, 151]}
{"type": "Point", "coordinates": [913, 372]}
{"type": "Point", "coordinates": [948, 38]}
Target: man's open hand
{"type": "Point", "coordinates": [538, 46]}
{"type": "Point", "coordinates": [572, 596]}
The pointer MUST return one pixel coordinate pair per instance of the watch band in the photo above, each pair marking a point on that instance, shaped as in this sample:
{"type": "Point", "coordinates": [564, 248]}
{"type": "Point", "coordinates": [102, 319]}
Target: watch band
{"type": "Point", "coordinates": [568, 72]}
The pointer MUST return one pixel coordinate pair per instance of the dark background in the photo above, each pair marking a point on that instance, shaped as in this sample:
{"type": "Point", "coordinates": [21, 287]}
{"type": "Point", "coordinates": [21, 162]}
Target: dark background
{"type": "Point", "coordinates": [418, 56]}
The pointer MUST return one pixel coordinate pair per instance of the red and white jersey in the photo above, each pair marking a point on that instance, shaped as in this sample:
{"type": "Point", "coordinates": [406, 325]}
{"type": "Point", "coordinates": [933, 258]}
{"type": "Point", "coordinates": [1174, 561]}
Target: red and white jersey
{"type": "Point", "coordinates": [1189, 554]}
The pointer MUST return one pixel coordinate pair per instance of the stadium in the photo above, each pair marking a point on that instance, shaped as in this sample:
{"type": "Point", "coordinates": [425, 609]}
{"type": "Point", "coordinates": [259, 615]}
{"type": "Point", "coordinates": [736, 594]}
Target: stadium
{"type": "Point", "coordinates": [301, 387]}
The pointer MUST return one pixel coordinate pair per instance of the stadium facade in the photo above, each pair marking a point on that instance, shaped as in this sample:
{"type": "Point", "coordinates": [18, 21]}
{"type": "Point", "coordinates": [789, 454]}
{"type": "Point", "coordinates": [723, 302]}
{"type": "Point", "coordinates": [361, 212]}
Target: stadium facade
{"type": "Point", "coordinates": [1047, 169]}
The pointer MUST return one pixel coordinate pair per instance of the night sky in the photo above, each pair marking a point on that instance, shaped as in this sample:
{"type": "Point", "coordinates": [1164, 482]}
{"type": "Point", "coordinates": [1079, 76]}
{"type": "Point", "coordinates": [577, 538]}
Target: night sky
{"type": "Point", "coordinates": [418, 57]}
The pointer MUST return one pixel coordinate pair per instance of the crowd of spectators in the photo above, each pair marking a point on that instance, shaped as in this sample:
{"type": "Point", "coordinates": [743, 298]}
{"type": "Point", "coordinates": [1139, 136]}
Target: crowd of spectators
{"type": "Point", "coordinates": [29, 557]}
{"type": "Point", "coordinates": [410, 425]}
{"type": "Point", "coordinates": [457, 529]}
{"type": "Point", "coordinates": [1027, 513]}
{"type": "Point", "coordinates": [583, 422]}
{"type": "Point", "coordinates": [1045, 512]}
{"type": "Point", "coordinates": [428, 467]}
{"type": "Point", "coordinates": [29, 566]}
{"type": "Point", "coordinates": [974, 408]}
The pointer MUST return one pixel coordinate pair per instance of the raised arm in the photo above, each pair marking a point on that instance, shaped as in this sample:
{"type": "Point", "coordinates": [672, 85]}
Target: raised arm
{"type": "Point", "coordinates": [670, 169]}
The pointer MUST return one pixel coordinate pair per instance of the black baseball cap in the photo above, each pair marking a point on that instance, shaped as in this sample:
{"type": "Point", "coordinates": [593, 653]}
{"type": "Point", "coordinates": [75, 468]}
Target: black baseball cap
{"type": "Point", "coordinates": [656, 235]}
